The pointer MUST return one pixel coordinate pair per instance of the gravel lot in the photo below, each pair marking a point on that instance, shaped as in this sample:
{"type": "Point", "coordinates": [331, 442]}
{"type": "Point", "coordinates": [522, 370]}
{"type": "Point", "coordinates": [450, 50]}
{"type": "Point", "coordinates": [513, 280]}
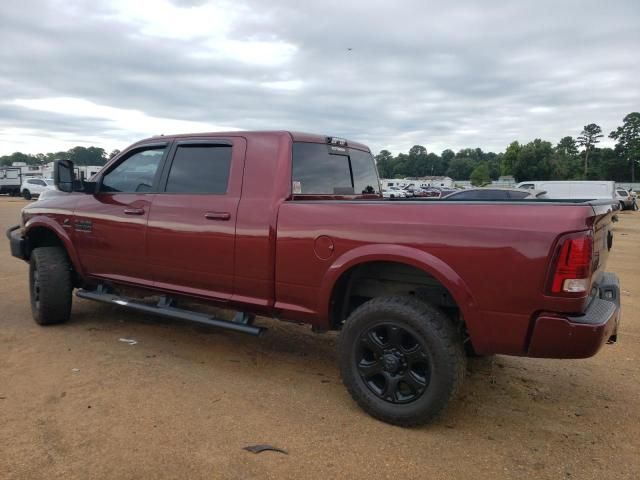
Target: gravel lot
{"type": "Point", "coordinates": [75, 402]}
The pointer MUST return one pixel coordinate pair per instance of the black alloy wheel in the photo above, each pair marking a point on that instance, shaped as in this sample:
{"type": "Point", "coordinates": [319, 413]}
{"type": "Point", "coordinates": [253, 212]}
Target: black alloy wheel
{"type": "Point", "coordinates": [393, 363]}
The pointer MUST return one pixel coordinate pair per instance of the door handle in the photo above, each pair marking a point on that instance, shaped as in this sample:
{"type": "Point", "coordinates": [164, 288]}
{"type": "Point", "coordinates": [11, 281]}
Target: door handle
{"type": "Point", "coordinates": [134, 211]}
{"type": "Point", "coordinates": [217, 215]}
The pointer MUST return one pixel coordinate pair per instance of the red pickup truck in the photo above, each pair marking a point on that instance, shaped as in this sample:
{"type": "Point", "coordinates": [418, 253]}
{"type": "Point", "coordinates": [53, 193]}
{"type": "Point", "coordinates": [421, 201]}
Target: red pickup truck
{"type": "Point", "coordinates": [293, 226]}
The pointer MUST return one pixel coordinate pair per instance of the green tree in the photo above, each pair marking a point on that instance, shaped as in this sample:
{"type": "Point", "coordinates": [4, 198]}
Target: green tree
{"type": "Point", "coordinates": [445, 159]}
{"type": "Point", "coordinates": [588, 138]}
{"type": "Point", "coordinates": [566, 162]}
{"type": "Point", "coordinates": [435, 165]}
{"type": "Point", "coordinates": [628, 140]}
{"type": "Point", "coordinates": [509, 158]}
{"type": "Point", "coordinates": [384, 160]}
{"type": "Point", "coordinates": [460, 168]}
{"type": "Point", "coordinates": [447, 155]}
{"type": "Point", "coordinates": [567, 146]}
{"type": "Point", "coordinates": [493, 164]}
{"type": "Point", "coordinates": [533, 161]}
{"type": "Point", "coordinates": [20, 157]}
{"type": "Point", "coordinates": [87, 156]}
{"type": "Point", "coordinates": [401, 166]}
{"type": "Point", "coordinates": [418, 162]}
{"type": "Point", "coordinates": [480, 175]}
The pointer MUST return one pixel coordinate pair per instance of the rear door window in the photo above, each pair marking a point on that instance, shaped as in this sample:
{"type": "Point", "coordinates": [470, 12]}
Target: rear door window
{"type": "Point", "coordinates": [320, 169]}
{"type": "Point", "coordinates": [200, 168]}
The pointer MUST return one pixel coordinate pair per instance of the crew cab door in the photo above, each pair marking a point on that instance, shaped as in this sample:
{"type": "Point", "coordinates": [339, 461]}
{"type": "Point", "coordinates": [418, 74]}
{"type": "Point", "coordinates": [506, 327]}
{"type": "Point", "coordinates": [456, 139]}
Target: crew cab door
{"type": "Point", "coordinates": [109, 227]}
{"type": "Point", "coordinates": [191, 228]}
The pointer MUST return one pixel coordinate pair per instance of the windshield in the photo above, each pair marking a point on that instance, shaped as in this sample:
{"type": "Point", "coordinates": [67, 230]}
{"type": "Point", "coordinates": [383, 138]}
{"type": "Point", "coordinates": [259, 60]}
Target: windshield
{"type": "Point", "coordinates": [321, 169]}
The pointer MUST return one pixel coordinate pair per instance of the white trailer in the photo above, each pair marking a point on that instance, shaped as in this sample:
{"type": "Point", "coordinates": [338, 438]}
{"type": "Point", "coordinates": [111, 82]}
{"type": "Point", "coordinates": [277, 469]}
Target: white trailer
{"type": "Point", "coordinates": [12, 177]}
{"type": "Point", "coordinates": [84, 171]}
{"type": "Point", "coordinates": [10, 180]}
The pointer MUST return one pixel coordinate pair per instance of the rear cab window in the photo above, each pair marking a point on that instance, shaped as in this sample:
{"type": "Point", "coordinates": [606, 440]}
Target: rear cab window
{"type": "Point", "coordinates": [324, 169]}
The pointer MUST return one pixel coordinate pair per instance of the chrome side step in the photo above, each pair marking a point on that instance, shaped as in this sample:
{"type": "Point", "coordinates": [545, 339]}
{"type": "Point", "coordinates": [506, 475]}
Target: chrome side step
{"type": "Point", "coordinates": [242, 322]}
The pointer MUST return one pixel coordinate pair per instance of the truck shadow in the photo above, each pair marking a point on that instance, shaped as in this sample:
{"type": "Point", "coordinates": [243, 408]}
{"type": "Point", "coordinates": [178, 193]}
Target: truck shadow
{"type": "Point", "coordinates": [498, 391]}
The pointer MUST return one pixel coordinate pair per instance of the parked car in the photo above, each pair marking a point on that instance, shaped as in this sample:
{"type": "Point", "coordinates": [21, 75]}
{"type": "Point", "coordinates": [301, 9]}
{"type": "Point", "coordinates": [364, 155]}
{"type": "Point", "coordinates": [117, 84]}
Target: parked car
{"type": "Point", "coordinates": [32, 187]}
{"type": "Point", "coordinates": [437, 192]}
{"type": "Point", "coordinates": [493, 194]}
{"type": "Point", "coordinates": [394, 192]}
{"type": "Point", "coordinates": [293, 226]}
{"type": "Point", "coordinates": [624, 198]}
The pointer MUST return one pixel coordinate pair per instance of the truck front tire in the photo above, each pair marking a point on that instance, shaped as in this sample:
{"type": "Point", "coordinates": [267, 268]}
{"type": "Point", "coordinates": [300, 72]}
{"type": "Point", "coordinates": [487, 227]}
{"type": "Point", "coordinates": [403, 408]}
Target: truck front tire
{"type": "Point", "coordinates": [50, 285]}
{"type": "Point", "coordinates": [401, 359]}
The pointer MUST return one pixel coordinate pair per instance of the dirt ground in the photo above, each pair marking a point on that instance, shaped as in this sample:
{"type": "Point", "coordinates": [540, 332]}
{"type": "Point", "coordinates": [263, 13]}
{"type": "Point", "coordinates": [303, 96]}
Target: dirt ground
{"type": "Point", "coordinates": [75, 402]}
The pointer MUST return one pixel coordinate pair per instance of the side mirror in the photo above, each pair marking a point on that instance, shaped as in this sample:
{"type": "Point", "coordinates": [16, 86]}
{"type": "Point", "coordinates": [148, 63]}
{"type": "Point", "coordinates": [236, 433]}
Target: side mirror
{"type": "Point", "coordinates": [63, 175]}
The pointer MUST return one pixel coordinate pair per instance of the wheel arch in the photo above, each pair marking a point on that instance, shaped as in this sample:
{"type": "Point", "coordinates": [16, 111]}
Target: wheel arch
{"type": "Point", "coordinates": [43, 231]}
{"type": "Point", "coordinates": [339, 275]}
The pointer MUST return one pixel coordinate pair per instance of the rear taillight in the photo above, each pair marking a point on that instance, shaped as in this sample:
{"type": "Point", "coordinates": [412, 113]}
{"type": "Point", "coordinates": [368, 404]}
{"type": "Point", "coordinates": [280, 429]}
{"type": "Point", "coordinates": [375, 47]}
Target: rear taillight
{"type": "Point", "coordinates": [572, 267]}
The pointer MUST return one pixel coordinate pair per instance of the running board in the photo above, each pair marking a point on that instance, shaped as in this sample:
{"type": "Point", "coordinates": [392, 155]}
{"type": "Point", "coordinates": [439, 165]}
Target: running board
{"type": "Point", "coordinates": [241, 322]}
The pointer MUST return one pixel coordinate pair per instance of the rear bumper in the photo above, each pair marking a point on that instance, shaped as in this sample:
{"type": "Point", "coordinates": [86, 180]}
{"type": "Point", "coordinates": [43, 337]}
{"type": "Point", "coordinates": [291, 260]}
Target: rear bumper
{"type": "Point", "coordinates": [16, 242]}
{"type": "Point", "coordinates": [579, 336]}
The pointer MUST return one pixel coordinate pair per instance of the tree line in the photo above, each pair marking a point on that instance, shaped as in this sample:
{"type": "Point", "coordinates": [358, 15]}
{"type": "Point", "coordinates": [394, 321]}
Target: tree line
{"type": "Point", "coordinates": [570, 159]}
{"type": "Point", "coordinates": [78, 155]}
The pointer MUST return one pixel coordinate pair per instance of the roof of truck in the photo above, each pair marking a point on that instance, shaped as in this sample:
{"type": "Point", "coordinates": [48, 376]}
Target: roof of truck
{"type": "Point", "coordinates": [296, 136]}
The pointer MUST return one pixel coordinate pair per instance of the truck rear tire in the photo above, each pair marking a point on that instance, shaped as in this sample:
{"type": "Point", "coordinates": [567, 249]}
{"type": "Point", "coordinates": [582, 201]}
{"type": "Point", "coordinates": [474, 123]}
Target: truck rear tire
{"type": "Point", "coordinates": [50, 285]}
{"type": "Point", "coordinates": [401, 359]}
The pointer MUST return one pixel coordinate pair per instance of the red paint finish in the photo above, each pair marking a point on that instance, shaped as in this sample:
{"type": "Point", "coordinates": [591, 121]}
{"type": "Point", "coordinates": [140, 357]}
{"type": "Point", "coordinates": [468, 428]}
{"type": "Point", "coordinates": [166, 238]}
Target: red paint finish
{"type": "Point", "coordinates": [259, 249]}
{"type": "Point", "coordinates": [113, 246]}
{"type": "Point", "coordinates": [558, 337]}
{"type": "Point", "coordinates": [190, 238]}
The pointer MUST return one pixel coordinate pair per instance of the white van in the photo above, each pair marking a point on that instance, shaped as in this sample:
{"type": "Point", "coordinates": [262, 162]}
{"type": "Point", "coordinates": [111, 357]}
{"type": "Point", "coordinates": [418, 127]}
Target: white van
{"type": "Point", "coordinates": [578, 189]}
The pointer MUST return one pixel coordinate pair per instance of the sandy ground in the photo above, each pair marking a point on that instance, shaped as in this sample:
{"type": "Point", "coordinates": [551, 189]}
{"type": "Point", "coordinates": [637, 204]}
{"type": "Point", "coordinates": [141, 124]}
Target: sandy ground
{"type": "Point", "coordinates": [75, 402]}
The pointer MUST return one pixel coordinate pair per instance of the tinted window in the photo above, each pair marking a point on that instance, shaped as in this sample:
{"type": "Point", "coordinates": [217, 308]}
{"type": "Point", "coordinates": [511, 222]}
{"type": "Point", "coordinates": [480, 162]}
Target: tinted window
{"type": "Point", "coordinates": [527, 185]}
{"type": "Point", "coordinates": [481, 195]}
{"type": "Point", "coordinates": [200, 169]}
{"type": "Point", "coordinates": [623, 193]}
{"type": "Point", "coordinates": [365, 178]}
{"type": "Point", "coordinates": [518, 195]}
{"type": "Point", "coordinates": [135, 174]}
{"type": "Point", "coordinates": [324, 170]}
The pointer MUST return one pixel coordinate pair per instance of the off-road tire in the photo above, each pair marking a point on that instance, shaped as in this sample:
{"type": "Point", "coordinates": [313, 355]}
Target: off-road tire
{"type": "Point", "coordinates": [50, 285]}
{"type": "Point", "coordinates": [26, 194]}
{"type": "Point", "coordinates": [439, 339]}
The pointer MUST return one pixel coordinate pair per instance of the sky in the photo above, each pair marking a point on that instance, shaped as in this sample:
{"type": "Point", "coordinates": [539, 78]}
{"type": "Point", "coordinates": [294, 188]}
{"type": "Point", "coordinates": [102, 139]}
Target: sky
{"type": "Point", "coordinates": [389, 74]}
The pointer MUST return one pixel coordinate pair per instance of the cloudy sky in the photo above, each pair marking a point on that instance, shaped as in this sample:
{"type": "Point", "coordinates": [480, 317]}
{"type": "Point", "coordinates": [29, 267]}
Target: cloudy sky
{"type": "Point", "coordinates": [390, 74]}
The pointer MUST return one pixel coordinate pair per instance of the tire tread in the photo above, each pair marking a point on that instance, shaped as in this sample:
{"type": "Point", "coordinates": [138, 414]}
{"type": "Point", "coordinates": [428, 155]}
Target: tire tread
{"type": "Point", "coordinates": [54, 272]}
{"type": "Point", "coordinates": [424, 317]}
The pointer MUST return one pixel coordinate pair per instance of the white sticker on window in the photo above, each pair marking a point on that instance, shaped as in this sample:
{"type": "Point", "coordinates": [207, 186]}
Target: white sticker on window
{"type": "Point", "coordinates": [297, 187]}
